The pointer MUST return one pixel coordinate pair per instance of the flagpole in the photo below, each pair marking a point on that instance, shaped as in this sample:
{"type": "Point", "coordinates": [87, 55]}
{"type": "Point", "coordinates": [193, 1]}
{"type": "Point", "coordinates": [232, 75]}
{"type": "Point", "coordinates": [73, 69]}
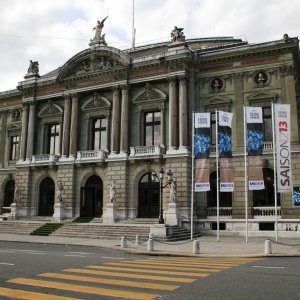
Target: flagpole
{"type": "Point", "coordinates": [246, 175]}
{"type": "Point", "coordinates": [217, 165]}
{"type": "Point", "coordinates": [275, 175]}
{"type": "Point", "coordinates": [192, 190]}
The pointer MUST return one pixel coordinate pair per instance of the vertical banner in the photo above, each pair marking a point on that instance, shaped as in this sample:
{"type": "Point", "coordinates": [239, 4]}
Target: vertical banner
{"type": "Point", "coordinates": [255, 142]}
{"type": "Point", "coordinates": [225, 151]}
{"type": "Point", "coordinates": [202, 151]}
{"type": "Point", "coordinates": [283, 147]}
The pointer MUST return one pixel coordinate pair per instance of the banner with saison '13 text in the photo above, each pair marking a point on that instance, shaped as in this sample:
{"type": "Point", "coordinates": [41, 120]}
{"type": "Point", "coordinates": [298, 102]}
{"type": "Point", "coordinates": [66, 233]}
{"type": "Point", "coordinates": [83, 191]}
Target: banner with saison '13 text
{"type": "Point", "coordinates": [283, 147]}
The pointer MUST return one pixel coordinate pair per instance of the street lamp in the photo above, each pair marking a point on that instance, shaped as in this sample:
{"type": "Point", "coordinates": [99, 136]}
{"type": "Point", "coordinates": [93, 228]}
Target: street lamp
{"type": "Point", "coordinates": [161, 187]}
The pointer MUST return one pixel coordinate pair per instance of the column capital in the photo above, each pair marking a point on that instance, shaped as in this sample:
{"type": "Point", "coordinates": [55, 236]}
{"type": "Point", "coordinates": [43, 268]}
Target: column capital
{"type": "Point", "coordinates": [125, 87]}
{"type": "Point", "coordinates": [286, 71]}
{"type": "Point", "coordinates": [115, 88]}
{"type": "Point", "coordinates": [74, 96]}
{"type": "Point", "coordinates": [172, 79]}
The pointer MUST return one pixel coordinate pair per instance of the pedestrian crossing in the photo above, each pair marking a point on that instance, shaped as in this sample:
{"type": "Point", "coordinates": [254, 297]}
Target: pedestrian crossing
{"type": "Point", "coordinates": [147, 278]}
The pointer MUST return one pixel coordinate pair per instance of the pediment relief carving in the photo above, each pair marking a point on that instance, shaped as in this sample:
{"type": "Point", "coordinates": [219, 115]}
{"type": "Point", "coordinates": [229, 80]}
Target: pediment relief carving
{"type": "Point", "coordinates": [261, 97]}
{"type": "Point", "coordinates": [95, 101]}
{"type": "Point", "coordinates": [216, 102]}
{"type": "Point", "coordinates": [12, 127]}
{"type": "Point", "coordinates": [148, 94]}
{"type": "Point", "coordinates": [50, 109]}
{"type": "Point", "coordinates": [91, 61]}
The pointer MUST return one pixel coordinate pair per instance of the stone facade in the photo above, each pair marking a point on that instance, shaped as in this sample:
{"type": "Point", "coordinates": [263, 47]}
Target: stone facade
{"type": "Point", "coordinates": [117, 116]}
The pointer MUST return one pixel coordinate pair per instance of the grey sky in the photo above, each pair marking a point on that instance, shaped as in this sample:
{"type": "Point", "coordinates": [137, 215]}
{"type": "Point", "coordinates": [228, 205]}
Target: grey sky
{"type": "Point", "coordinates": [52, 31]}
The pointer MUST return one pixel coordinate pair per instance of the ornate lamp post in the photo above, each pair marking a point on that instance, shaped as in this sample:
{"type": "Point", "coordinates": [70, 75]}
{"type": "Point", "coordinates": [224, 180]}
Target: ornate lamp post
{"type": "Point", "coordinates": [161, 187]}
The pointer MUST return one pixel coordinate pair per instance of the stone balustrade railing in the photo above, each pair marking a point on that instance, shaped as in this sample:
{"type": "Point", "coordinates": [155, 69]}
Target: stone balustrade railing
{"type": "Point", "coordinates": [91, 155]}
{"type": "Point", "coordinates": [263, 212]}
{"type": "Point", "coordinates": [44, 158]}
{"type": "Point", "coordinates": [142, 151]}
{"type": "Point", "coordinates": [223, 211]}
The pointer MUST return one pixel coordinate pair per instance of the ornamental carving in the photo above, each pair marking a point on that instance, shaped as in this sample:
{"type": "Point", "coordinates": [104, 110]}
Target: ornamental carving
{"type": "Point", "coordinates": [50, 109]}
{"type": "Point", "coordinates": [149, 93]}
{"type": "Point", "coordinates": [98, 63]}
{"type": "Point", "coordinates": [261, 78]}
{"type": "Point", "coordinates": [15, 115]}
{"type": "Point", "coordinates": [286, 71]}
{"type": "Point", "coordinates": [216, 84]}
{"type": "Point", "coordinates": [95, 102]}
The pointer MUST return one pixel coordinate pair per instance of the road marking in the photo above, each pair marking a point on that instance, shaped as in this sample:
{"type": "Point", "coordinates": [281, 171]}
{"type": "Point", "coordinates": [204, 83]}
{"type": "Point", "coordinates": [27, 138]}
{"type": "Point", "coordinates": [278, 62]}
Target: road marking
{"type": "Point", "coordinates": [73, 255]}
{"type": "Point", "coordinates": [173, 264]}
{"type": "Point", "coordinates": [128, 275]}
{"type": "Point", "coordinates": [83, 253]}
{"type": "Point", "coordinates": [108, 257]}
{"type": "Point", "coordinates": [35, 253]}
{"type": "Point", "coordinates": [7, 251]}
{"type": "Point", "coordinates": [160, 267]}
{"type": "Point", "coordinates": [20, 294]}
{"type": "Point", "coordinates": [84, 289]}
{"type": "Point", "coordinates": [7, 264]}
{"type": "Point", "coordinates": [267, 267]}
{"type": "Point", "coordinates": [134, 270]}
{"type": "Point", "coordinates": [144, 285]}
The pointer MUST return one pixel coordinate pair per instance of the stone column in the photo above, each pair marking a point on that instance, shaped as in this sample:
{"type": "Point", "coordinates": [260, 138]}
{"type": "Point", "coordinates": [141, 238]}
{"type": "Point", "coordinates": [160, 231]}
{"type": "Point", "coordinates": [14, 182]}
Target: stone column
{"type": "Point", "coordinates": [74, 126]}
{"type": "Point", "coordinates": [66, 126]}
{"type": "Point", "coordinates": [162, 126]}
{"type": "Point", "coordinates": [172, 114]}
{"type": "Point", "coordinates": [237, 110]}
{"type": "Point", "coordinates": [115, 124]}
{"type": "Point", "coordinates": [30, 137]}
{"type": "Point", "coordinates": [183, 114]}
{"type": "Point", "coordinates": [23, 139]}
{"type": "Point", "coordinates": [108, 131]}
{"type": "Point", "coordinates": [124, 121]}
{"type": "Point", "coordinates": [3, 115]}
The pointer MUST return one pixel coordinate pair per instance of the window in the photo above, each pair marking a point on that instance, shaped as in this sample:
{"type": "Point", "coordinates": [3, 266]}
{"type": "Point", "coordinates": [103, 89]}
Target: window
{"type": "Point", "coordinates": [14, 147]}
{"type": "Point", "coordinates": [53, 139]}
{"type": "Point", "coordinates": [152, 128]}
{"type": "Point", "coordinates": [267, 118]}
{"type": "Point", "coordinates": [99, 137]}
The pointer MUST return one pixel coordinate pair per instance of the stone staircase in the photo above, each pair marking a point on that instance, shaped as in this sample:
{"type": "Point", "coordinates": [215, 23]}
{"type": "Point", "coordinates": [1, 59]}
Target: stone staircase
{"type": "Point", "coordinates": [19, 227]}
{"type": "Point", "coordinates": [99, 230]}
{"type": "Point", "coordinates": [180, 234]}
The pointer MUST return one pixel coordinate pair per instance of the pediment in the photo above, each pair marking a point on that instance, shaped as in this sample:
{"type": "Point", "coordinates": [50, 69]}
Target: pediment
{"type": "Point", "coordinates": [148, 94]}
{"type": "Point", "coordinates": [214, 100]}
{"type": "Point", "coordinates": [92, 61]}
{"type": "Point", "coordinates": [95, 101]}
{"type": "Point", "coordinates": [12, 127]}
{"type": "Point", "coordinates": [50, 109]}
{"type": "Point", "coordinates": [262, 96]}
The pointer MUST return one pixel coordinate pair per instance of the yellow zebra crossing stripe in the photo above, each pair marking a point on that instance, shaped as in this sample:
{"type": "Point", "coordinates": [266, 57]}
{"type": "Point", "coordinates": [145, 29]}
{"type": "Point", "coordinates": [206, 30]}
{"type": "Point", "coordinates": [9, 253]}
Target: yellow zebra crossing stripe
{"type": "Point", "coordinates": [127, 283]}
{"type": "Point", "coordinates": [25, 295]}
{"type": "Point", "coordinates": [130, 275]}
{"type": "Point", "coordinates": [134, 270]}
{"type": "Point", "coordinates": [186, 264]}
{"type": "Point", "coordinates": [84, 289]}
{"type": "Point", "coordinates": [154, 266]}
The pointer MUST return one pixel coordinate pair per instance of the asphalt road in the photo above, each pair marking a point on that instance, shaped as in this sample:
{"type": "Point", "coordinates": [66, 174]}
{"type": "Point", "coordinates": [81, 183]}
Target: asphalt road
{"type": "Point", "coordinates": [35, 271]}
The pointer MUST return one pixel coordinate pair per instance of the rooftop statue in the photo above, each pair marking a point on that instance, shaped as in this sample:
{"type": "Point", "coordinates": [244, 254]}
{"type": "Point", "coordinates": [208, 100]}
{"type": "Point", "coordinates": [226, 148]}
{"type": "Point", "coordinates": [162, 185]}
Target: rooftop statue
{"type": "Point", "coordinates": [99, 38]}
{"type": "Point", "coordinates": [177, 35]}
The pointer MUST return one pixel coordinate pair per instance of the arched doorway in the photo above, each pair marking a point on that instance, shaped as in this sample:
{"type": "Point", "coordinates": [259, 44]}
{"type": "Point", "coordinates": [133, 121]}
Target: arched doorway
{"type": "Point", "coordinates": [9, 191]}
{"type": "Point", "coordinates": [225, 198]}
{"type": "Point", "coordinates": [266, 197]}
{"type": "Point", "coordinates": [46, 202]}
{"type": "Point", "coordinates": [92, 197]}
{"type": "Point", "coordinates": [148, 206]}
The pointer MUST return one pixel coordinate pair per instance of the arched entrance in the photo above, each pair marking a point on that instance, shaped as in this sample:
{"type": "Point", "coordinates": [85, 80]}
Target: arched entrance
{"type": "Point", "coordinates": [9, 191]}
{"type": "Point", "coordinates": [148, 206]}
{"type": "Point", "coordinates": [92, 197]}
{"type": "Point", "coordinates": [46, 202]}
{"type": "Point", "coordinates": [225, 198]}
{"type": "Point", "coordinates": [266, 198]}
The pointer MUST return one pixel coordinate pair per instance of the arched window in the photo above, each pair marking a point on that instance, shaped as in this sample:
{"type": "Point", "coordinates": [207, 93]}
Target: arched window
{"type": "Point", "coordinates": [9, 191]}
{"type": "Point", "coordinates": [266, 197]}
{"type": "Point", "coordinates": [225, 199]}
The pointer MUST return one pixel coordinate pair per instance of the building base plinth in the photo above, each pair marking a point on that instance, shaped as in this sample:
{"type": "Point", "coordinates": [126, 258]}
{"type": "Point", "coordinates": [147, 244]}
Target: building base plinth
{"type": "Point", "coordinates": [110, 214]}
{"type": "Point", "coordinates": [59, 212]}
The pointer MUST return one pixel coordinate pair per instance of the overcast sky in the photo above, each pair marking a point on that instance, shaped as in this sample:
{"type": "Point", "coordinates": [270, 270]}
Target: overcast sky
{"type": "Point", "coordinates": [52, 31]}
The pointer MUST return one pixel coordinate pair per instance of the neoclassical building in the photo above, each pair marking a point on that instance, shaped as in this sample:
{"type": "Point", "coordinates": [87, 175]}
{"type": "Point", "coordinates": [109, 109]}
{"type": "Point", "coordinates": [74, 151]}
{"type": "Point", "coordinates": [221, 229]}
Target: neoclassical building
{"type": "Point", "coordinates": [111, 116]}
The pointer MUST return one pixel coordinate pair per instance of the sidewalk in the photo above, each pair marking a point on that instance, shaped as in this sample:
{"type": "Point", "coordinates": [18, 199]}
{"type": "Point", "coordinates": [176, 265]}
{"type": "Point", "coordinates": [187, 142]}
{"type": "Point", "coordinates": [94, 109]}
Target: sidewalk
{"type": "Point", "coordinates": [209, 247]}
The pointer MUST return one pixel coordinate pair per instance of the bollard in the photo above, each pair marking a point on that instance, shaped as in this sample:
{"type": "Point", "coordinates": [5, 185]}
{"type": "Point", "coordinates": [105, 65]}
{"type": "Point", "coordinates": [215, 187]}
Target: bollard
{"type": "Point", "coordinates": [196, 247]}
{"type": "Point", "coordinates": [137, 239]}
{"type": "Point", "coordinates": [123, 242]}
{"type": "Point", "coordinates": [268, 247]}
{"type": "Point", "coordinates": [150, 245]}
